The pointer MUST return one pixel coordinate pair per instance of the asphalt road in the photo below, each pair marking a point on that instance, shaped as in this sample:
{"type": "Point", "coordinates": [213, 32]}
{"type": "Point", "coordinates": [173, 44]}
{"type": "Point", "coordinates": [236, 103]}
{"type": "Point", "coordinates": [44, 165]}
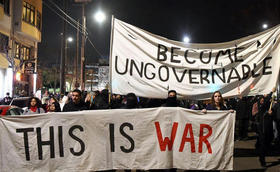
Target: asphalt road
{"type": "Point", "coordinates": [246, 158]}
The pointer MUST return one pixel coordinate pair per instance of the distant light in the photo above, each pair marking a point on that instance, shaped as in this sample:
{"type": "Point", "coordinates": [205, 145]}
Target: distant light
{"type": "Point", "coordinates": [186, 39]}
{"type": "Point", "coordinates": [264, 26]}
{"type": "Point", "coordinates": [18, 76]}
{"type": "Point", "coordinates": [100, 16]}
{"type": "Point", "coordinates": [69, 39]}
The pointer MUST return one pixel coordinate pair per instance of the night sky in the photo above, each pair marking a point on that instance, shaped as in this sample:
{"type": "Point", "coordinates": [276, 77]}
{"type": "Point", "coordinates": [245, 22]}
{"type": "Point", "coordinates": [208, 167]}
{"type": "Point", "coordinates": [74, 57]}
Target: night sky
{"type": "Point", "coordinates": [204, 21]}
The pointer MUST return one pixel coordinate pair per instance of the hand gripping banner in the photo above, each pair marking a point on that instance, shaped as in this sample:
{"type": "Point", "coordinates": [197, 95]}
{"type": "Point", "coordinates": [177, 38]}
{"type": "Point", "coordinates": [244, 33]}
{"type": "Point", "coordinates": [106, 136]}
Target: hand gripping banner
{"type": "Point", "coordinates": [149, 65]}
{"type": "Point", "coordinates": [157, 138]}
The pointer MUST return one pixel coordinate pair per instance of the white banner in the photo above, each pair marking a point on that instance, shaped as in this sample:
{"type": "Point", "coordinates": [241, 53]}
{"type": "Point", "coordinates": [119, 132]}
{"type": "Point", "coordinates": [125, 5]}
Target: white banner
{"type": "Point", "coordinates": [157, 138]}
{"type": "Point", "coordinates": [149, 65]}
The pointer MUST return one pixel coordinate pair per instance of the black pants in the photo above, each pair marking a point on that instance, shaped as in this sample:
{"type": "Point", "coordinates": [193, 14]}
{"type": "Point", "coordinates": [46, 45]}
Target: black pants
{"type": "Point", "coordinates": [243, 128]}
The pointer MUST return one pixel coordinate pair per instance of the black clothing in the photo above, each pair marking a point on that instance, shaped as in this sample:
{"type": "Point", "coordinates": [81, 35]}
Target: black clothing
{"type": "Point", "coordinates": [100, 102]}
{"type": "Point", "coordinates": [264, 128]}
{"type": "Point", "coordinates": [211, 107]}
{"type": "Point", "coordinates": [242, 117]}
{"type": "Point", "coordinates": [71, 106]}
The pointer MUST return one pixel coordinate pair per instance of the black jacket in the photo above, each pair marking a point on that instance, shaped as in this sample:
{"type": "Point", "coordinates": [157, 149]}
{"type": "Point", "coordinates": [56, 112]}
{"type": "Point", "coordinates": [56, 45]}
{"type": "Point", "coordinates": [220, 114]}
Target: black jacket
{"type": "Point", "coordinates": [71, 106]}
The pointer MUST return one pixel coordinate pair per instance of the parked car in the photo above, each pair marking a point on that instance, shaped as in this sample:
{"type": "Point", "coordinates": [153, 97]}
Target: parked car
{"type": "Point", "coordinates": [21, 102]}
{"type": "Point", "coordinates": [8, 110]}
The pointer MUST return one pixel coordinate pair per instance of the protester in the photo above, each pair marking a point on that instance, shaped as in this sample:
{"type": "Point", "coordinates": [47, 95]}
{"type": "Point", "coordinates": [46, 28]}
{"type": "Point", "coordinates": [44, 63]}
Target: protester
{"type": "Point", "coordinates": [171, 100]}
{"type": "Point", "coordinates": [263, 117]}
{"type": "Point", "coordinates": [101, 101]}
{"type": "Point", "coordinates": [116, 101]}
{"type": "Point", "coordinates": [217, 102]}
{"type": "Point", "coordinates": [54, 107]}
{"type": "Point", "coordinates": [7, 100]}
{"type": "Point", "coordinates": [276, 116]}
{"type": "Point", "coordinates": [34, 106]}
{"type": "Point", "coordinates": [131, 101]}
{"type": "Point", "coordinates": [242, 117]}
{"type": "Point", "coordinates": [76, 104]}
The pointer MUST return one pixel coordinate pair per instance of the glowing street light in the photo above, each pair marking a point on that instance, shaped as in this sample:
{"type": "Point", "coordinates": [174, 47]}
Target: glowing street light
{"type": "Point", "coordinates": [186, 39]}
{"type": "Point", "coordinates": [100, 16]}
{"type": "Point", "coordinates": [70, 39]}
{"type": "Point", "coordinates": [264, 26]}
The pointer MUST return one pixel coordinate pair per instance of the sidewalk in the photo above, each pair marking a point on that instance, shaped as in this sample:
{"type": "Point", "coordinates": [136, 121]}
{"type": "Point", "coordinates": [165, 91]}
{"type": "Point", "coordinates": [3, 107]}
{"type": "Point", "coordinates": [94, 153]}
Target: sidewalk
{"type": "Point", "coordinates": [246, 158]}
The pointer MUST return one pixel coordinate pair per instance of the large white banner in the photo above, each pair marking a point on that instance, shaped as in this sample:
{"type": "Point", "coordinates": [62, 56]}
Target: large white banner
{"type": "Point", "coordinates": [157, 138]}
{"type": "Point", "coordinates": [149, 65]}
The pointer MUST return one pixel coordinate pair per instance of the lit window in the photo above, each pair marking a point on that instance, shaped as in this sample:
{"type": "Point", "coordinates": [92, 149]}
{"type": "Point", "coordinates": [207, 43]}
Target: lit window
{"type": "Point", "coordinates": [28, 13]}
{"type": "Point", "coordinates": [38, 20]}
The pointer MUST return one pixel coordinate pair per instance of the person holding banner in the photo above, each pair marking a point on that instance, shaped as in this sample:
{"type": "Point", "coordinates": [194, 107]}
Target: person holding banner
{"type": "Point", "coordinates": [76, 104]}
{"type": "Point", "coordinates": [34, 106]}
{"type": "Point", "coordinates": [171, 100]}
{"type": "Point", "coordinates": [217, 102]}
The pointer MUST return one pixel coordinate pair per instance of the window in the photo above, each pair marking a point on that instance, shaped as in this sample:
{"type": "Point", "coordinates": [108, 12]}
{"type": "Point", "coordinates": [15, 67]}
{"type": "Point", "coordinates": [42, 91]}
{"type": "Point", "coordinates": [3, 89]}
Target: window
{"type": "Point", "coordinates": [17, 55]}
{"type": "Point", "coordinates": [6, 4]}
{"type": "Point", "coordinates": [7, 7]}
{"type": "Point", "coordinates": [28, 13]}
{"type": "Point", "coordinates": [4, 41]}
{"type": "Point", "coordinates": [22, 52]}
{"type": "Point", "coordinates": [38, 20]}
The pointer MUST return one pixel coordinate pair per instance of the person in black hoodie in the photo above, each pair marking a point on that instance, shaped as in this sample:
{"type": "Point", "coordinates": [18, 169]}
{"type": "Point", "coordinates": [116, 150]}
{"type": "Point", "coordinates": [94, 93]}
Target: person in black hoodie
{"type": "Point", "coordinates": [131, 101]}
{"type": "Point", "coordinates": [171, 100]}
{"type": "Point", "coordinates": [264, 131]}
{"type": "Point", "coordinates": [76, 104]}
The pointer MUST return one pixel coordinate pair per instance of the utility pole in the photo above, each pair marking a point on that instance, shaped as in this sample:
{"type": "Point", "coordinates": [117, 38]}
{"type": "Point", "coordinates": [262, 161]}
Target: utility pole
{"type": "Point", "coordinates": [62, 54]}
{"type": "Point", "coordinates": [82, 78]}
{"type": "Point", "coordinates": [77, 56]}
{"type": "Point", "coordinates": [83, 48]}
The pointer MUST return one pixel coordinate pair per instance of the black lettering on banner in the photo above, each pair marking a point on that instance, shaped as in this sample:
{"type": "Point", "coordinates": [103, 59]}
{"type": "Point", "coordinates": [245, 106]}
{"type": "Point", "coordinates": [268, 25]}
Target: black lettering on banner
{"type": "Point", "coordinates": [223, 78]}
{"type": "Point", "coordinates": [25, 139]}
{"type": "Point", "coordinates": [140, 72]}
{"type": "Point", "coordinates": [223, 53]}
{"type": "Point", "coordinates": [245, 72]}
{"type": "Point", "coordinates": [209, 57]}
{"type": "Point", "coordinates": [205, 78]}
{"type": "Point", "coordinates": [182, 77]}
{"type": "Point", "coordinates": [116, 68]}
{"type": "Point", "coordinates": [130, 126]}
{"type": "Point", "coordinates": [191, 79]}
{"type": "Point", "coordinates": [162, 53]}
{"type": "Point", "coordinates": [60, 141]}
{"type": "Point", "coordinates": [186, 57]}
{"type": "Point", "coordinates": [173, 54]}
{"type": "Point", "coordinates": [266, 67]}
{"type": "Point", "coordinates": [233, 77]}
{"type": "Point", "coordinates": [167, 73]}
{"type": "Point", "coordinates": [112, 136]}
{"type": "Point", "coordinates": [145, 71]}
{"type": "Point", "coordinates": [254, 75]}
{"type": "Point", "coordinates": [235, 54]}
{"type": "Point", "coordinates": [40, 143]}
{"type": "Point", "coordinates": [77, 139]}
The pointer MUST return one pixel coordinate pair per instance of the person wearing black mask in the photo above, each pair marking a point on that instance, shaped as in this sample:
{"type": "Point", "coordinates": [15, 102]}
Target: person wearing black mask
{"type": "Point", "coordinates": [131, 101]}
{"type": "Point", "coordinates": [171, 100]}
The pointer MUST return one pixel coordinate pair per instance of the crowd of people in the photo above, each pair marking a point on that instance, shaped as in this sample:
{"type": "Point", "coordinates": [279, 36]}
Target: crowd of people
{"type": "Point", "coordinates": [257, 113]}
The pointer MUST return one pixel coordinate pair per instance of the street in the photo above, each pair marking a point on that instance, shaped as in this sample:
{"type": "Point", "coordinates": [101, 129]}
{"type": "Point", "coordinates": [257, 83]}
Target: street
{"type": "Point", "coordinates": [246, 159]}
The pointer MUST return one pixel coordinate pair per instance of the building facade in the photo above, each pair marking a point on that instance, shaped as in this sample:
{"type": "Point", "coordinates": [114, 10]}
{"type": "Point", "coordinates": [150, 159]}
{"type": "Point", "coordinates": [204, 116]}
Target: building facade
{"type": "Point", "coordinates": [20, 33]}
{"type": "Point", "coordinates": [96, 77]}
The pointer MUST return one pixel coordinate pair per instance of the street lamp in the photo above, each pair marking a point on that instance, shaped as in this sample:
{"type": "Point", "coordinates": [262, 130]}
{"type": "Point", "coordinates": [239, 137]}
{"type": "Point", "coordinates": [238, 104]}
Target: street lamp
{"type": "Point", "coordinates": [264, 26]}
{"type": "Point", "coordinates": [100, 16]}
{"type": "Point", "coordinates": [70, 39]}
{"type": "Point", "coordinates": [186, 39]}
